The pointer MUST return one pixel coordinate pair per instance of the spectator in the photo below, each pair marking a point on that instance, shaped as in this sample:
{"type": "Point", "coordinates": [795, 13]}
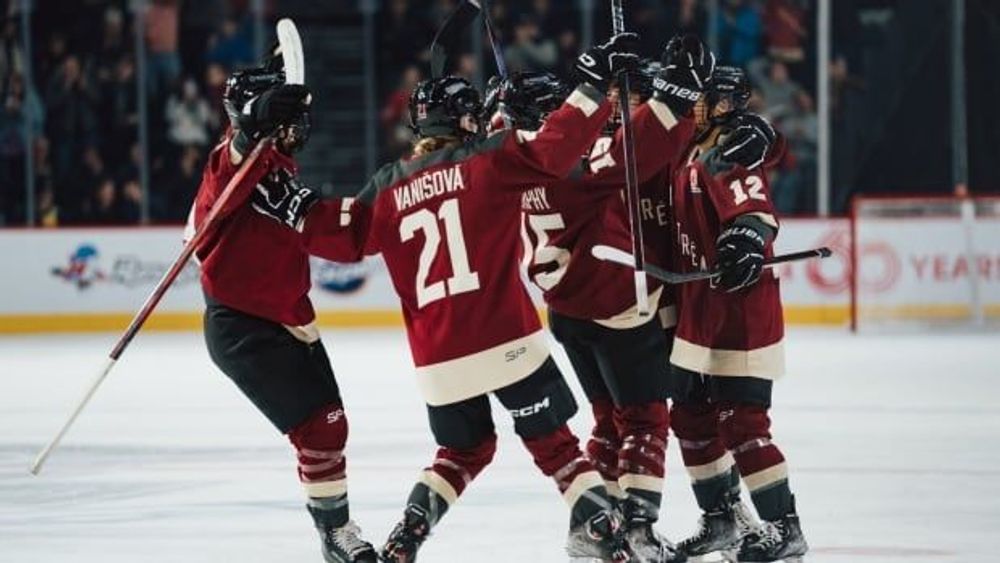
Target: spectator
{"type": "Point", "coordinates": [403, 38]}
{"type": "Point", "coordinates": [232, 46]}
{"type": "Point", "coordinates": [71, 120]}
{"type": "Point", "coordinates": [103, 204]}
{"type": "Point", "coordinates": [530, 50]}
{"type": "Point", "coordinates": [740, 27]}
{"type": "Point", "coordinates": [689, 16]}
{"type": "Point", "coordinates": [47, 213]}
{"type": "Point", "coordinates": [11, 56]}
{"type": "Point", "coordinates": [120, 110]}
{"type": "Point", "coordinates": [189, 117]}
{"type": "Point", "coordinates": [177, 185]}
{"type": "Point", "coordinates": [114, 45]}
{"type": "Point", "coordinates": [795, 185]}
{"type": "Point", "coordinates": [129, 208]}
{"type": "Point", "coordinates": [74, 192]}
{"type": "Point", "coordinates": [198, 23]}
{"type": "Point", "coordinates": [778, 90]}
{"type": "Point", "coordinates": [54, 55]}
{"type": "Point", "coordinates": [215, 84]}
{"type": "Point", "coordinates": [395, 114]}
{"type": "Point", "coordinates": [784, 23]}
{"type": "Point", "coordinates": [161, 38]}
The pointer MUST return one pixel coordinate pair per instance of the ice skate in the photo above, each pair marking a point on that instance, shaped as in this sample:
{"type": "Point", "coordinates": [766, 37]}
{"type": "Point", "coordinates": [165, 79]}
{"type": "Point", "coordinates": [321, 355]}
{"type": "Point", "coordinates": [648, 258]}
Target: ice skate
{"type": "Point", "coordinates": [344, 545]}
{"type": "Point", "coordinates": [717, 538]}
{"type": "Point", "coordinates": [779, 540]}
{"type": "Point", "coordinates": [600, 539]}
{"type": "Point", "coordinates": [647, 545]}
{"type": "Point", "coordinates": [407, 537]}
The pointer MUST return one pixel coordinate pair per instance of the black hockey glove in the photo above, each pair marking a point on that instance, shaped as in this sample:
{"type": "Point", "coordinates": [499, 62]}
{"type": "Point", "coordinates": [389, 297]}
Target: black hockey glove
{"type": "Point", "coordinates": [747, 141]}
{"type": "Point", "coordinates": [739, 254]}
{"type": "Point", "coordinates": [284, 198]}
{"type": "Point", "coordinates": [602, 63]}
{"type": "Point", "coordinates": [688, 66]}
{"type": "Point", "coordinates": [278, 107]}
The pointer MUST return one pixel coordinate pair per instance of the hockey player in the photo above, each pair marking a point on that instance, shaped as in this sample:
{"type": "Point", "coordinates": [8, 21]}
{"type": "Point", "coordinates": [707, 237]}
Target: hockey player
{"type": "Point", "coordinates": [445, 222]}
{"type": "Point", "coordinates": [619, 356]}
{"type": "Point", "coordinates": [728, 348]}
{"type": "Point", "coordinates": [258, 319]}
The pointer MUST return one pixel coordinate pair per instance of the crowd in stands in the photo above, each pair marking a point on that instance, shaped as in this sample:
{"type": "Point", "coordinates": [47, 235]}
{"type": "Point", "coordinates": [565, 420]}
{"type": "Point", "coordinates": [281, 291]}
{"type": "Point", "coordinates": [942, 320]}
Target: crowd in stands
{"type": "Point", "coordinates": [770, 39]}
{"type": "Point", "coordinates": [84, 110]}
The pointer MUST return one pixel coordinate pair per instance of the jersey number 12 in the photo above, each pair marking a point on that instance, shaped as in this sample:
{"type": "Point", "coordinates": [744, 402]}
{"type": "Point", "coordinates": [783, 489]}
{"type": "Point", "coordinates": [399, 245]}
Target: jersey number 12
{"type": "Point", "coordinates": [462, 279]}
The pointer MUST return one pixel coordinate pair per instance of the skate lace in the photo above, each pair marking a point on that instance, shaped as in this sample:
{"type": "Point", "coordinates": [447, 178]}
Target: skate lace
{"type": "Point", "coordinates": [703, 531]}
{"type": "Point", "coordinates": [348, 538]}
{"type": "Point", "coordinates": [746, 524]}
{"type": "Point", "coordinates": [771, 534]}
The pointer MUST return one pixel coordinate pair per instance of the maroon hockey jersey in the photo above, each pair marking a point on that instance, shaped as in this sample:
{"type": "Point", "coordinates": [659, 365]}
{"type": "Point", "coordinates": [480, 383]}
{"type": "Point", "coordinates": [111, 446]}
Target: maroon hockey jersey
{"type": "Point", "coordinates": [564, 219]}
{"type": "Point", "coordinates": [446, 224]}
{"type": "Point", "coordinates": [719, 333]}
{"type": "Point", "coordinates": [253, 263]}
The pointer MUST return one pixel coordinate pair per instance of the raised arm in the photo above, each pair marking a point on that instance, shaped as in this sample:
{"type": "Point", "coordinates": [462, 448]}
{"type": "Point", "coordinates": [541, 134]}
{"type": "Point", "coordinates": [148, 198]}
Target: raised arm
{"type": "Point", "coordinates": [515, 158]}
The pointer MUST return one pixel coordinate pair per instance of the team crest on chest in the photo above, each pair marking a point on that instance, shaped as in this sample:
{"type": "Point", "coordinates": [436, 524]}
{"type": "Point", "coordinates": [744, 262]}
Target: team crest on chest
{"type": "Point", "coordinates": [693, 180]}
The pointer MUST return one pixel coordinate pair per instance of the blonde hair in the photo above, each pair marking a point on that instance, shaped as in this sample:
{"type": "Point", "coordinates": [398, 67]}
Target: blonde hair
{"type": "Point", "coordinates": [428, 145]}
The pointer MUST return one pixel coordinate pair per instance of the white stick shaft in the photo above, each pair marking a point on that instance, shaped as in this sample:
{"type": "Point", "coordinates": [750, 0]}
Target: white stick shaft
{"type": "Point", "coordinates": [641, 293]}
{"type": "Point", "coordinates": [36, 468]}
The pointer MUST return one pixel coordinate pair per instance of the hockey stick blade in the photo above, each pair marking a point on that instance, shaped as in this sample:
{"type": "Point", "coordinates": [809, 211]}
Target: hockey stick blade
{"type": "Point", "coordinates": [447, 38]}
{"type": "Point", "coordinates": [618, 256]}
{"type": "Point", "coordinates": [291, 52]}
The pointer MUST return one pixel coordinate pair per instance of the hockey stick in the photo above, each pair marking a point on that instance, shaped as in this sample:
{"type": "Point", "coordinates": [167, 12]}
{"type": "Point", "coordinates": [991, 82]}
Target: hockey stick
{"type": "Point", "coordinates": [291, 52]}
{"type": "Point", "coordinates": [612, 254]}
{"type": "Point", "coordinates": [153, 300]}
{"type": "Point", "coordinates": [631, 173]}
{"type": "Point", "coordinates": [447, 37]}
{"type": "Point", "coordinates": [484, 7]}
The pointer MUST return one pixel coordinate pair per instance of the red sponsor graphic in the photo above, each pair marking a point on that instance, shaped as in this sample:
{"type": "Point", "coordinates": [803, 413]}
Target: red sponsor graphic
{"type": "Point", "coordinates": [945, 268]}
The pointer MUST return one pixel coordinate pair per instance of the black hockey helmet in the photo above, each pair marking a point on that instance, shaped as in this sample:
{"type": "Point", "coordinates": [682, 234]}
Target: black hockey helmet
{"type": "Point", "coordinates": [244, 85]}
{"type": "Point", "coordinates": [438, 105]}
{"type": "Point", "coordinates": [728, 83]}
{"type": "Point", "coordinates": [527, 98]}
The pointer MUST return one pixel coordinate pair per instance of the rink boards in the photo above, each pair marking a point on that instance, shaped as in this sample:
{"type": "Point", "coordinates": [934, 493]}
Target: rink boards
{"type": "Point", "coordinates": [93, 279]}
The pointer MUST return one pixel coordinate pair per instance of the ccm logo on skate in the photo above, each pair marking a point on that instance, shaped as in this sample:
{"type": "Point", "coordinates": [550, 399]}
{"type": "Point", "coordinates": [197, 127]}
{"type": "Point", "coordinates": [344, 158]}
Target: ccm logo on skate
{"type": "Point", "coordinates": [334, 416]}
{"type": "Point", "coordinates": [515, 354]}
{"type": "Point", "coordinates": [530, 410]}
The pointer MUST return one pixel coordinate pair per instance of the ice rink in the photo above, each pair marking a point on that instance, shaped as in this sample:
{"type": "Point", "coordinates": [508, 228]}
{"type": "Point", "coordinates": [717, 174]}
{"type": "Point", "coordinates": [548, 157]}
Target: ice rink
{"type": "Point", "coordinates": [893, 443]}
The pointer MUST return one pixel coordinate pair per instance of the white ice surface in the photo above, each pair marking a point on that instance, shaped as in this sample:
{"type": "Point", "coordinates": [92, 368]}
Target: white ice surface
{"type": "Point", "coordinates": [893, 444]}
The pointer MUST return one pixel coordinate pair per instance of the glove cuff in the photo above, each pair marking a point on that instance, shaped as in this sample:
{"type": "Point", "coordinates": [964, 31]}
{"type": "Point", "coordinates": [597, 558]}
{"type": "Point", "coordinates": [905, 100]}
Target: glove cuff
{"type": "Point", "coordinates": [242, 143]}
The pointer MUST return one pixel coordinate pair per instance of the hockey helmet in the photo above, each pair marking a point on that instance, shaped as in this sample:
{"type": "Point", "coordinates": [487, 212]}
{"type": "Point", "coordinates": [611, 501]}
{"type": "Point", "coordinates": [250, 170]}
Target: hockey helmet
{"type": "Point", "coordinates": [438, 105]}
{"type": "Point", "coordinates": [527, 98]}
{"type": "Point", "coordinates": [243, 86]}
{"type": "Point", "coordinates": [728, 83]}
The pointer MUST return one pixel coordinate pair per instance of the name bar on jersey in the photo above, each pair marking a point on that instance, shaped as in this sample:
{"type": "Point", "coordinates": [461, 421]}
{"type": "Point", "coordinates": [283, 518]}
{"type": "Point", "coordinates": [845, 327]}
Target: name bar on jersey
{"type": "Point", "coordinates": [427, 186]}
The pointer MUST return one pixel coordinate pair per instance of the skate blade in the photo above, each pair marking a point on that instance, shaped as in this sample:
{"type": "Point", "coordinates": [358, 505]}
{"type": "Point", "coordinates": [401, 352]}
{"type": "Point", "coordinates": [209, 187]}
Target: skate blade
{"type": "Point", "coordinates": [585, 559]}
{"type": "Point", "coordinates": [724, 556]}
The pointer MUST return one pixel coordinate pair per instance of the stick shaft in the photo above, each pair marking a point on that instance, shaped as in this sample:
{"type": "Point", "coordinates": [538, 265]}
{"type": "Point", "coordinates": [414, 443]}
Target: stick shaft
{"type": "Point", "coordinates": [632, 197]}
{"type": "Point", "coordinates": [154, 299]}
{"type": "Point", "coordinates": [52, 445]}
{"type": "Point", "coordinates": [494, 41]}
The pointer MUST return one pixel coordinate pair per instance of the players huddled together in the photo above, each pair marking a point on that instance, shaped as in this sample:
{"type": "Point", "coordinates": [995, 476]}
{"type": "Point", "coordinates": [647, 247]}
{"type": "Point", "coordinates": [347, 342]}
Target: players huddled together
{"type": "Point", "coordinates": [528, 182]}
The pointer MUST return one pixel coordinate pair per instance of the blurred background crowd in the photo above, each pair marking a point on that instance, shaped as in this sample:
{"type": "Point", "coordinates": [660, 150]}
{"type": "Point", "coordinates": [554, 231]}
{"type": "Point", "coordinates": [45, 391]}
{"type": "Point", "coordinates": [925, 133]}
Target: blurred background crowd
{"type": "Point", "coordinates": [119, 101]}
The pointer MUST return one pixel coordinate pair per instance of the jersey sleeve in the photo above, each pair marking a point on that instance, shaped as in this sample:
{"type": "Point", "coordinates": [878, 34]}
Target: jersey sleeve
{"type": "Point", "coordinates": [336, 229]}
{"type": "Point", "coordinates": [738, 191]}
{"type": "Point", "coordinates": [659, 140]}
{"type": "Point", "coordinates": [521, 157]}
{"type": "Point", "coordinates": [340, 229]}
